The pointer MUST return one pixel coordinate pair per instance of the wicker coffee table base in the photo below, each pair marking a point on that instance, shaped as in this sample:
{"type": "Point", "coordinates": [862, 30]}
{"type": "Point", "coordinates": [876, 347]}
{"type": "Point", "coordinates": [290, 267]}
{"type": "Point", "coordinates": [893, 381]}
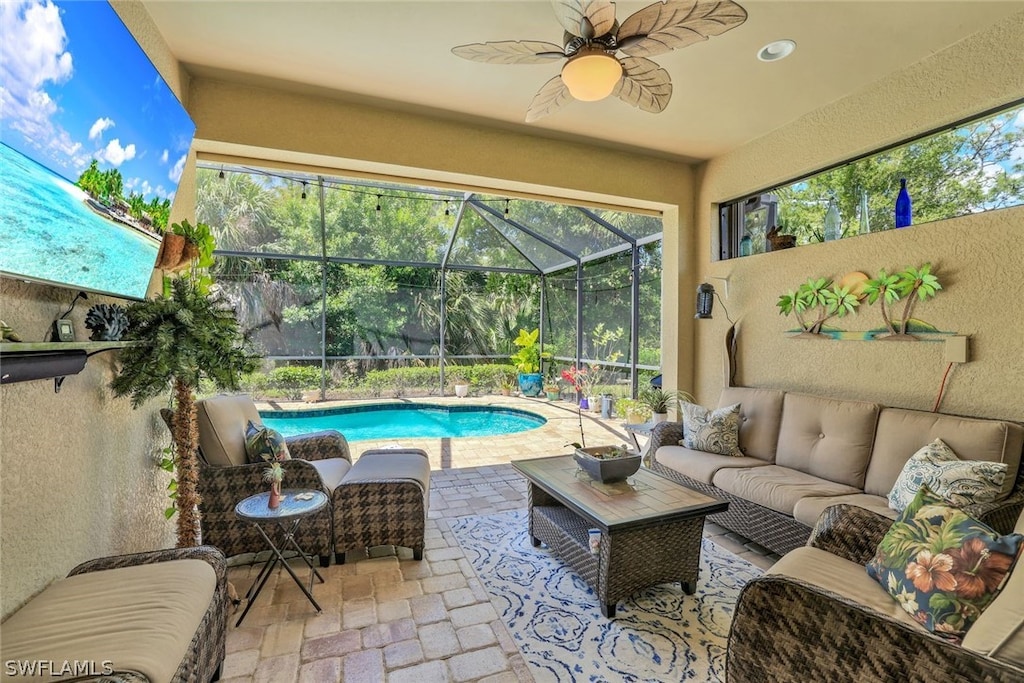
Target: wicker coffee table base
{"type": "Point", "coordinates": [629, 560]}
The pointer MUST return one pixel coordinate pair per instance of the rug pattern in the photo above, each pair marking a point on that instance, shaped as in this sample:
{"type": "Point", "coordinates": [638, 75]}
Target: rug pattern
{"type": "Point", "coordinates": [659, 634]}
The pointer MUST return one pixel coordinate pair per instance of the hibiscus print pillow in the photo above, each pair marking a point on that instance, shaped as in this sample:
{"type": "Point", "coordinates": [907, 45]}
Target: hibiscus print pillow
{"type": "Point", "coordinates": [942, 566]}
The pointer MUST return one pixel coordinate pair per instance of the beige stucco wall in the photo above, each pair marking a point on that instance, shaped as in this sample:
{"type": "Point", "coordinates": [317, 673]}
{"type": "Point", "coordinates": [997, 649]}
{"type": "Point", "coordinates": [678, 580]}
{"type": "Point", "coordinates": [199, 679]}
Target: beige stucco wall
{"type": "Point", "coordinates": [979, 258]}
{"type": "Point", "coordinates": [78, 473]}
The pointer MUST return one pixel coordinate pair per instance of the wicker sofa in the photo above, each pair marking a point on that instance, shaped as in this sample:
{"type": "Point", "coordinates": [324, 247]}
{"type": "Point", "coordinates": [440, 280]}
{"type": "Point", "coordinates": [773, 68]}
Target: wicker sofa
{"type": "Point", "coordinates": [153, 617]}
{"type": "Point", "coordinates": [817, 616]}
{"type": "Point", "coordinates": [802, 454]}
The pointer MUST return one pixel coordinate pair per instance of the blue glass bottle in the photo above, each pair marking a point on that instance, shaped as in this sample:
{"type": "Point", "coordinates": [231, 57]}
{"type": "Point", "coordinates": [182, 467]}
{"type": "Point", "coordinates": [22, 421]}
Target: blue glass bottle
{"type": "Point", "coordinates": [746, 246]}
{"type": "Point", "coordinates": [903, 206]}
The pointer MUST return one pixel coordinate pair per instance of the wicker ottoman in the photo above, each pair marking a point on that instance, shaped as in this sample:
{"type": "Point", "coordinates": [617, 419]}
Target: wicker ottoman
{"type": "Point", "coordinates": [383, 500]}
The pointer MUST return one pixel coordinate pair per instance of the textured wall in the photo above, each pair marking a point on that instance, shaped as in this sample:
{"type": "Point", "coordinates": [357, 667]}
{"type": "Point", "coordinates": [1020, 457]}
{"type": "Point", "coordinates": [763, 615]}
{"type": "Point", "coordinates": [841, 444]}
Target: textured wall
{"type": "Point", "coordinates": [979, 258]}
{"type": "Point", "coordinates": [78, 476]}
{"type": "Point", "coordinates": [78, 473]}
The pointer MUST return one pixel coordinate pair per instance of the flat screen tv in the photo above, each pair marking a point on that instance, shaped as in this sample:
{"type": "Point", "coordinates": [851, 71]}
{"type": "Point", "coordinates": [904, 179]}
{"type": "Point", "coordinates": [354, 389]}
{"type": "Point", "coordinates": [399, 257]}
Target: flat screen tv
{"type": "Point", "coordinates": [92, 144]}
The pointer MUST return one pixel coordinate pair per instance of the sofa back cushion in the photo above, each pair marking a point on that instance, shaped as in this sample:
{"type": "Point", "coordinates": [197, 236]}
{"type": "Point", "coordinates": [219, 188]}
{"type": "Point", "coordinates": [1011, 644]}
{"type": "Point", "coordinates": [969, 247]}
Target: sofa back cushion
{"type": "Point", "coordinates": [222, 421]}
{"type": "Point", "coordinates": [760, 417]}
{"type": "Point", "coordinates": [901, 433]}
{"type": "Point", "coordinates": [828, 438]}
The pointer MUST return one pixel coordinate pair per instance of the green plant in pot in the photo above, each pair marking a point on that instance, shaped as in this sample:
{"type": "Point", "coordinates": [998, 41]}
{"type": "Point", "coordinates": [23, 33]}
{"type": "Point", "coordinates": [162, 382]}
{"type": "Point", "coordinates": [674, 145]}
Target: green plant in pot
{"type": "Point", "coordinates": [660, 401]}
{"type": "Point", "coordinates": [187, 335]}
{"type": "Point", "coordinates": [528, 360]}
{"type": "Point", "coordinates": [459, 379]}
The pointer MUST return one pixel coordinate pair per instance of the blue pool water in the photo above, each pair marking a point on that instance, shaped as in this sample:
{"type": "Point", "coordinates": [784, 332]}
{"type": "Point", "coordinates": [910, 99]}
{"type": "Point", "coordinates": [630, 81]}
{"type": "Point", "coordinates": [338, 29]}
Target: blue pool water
{"type": "Point", "coordinates": [391, 421]}
{"type": "Point", "coordinates": [48, 233]}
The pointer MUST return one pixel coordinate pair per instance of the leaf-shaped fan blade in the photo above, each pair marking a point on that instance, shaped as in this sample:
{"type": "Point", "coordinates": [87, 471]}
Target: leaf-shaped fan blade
{"type": "Point", "coordinates": [585, 18]}
{"type": "Point", "coordinates": [510, 52]}
{"type": "Point", "coordinates": [644, 84]}
{"type": "Point", "coordinates": [550, 98]}
{"type": "Point", "coordinates": [667, 26]}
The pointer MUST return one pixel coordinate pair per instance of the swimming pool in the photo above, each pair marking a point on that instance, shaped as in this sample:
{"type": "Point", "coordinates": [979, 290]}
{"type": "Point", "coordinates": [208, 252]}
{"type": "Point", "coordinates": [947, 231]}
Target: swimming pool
{"type": "Point", "coordinates": [405, 420]}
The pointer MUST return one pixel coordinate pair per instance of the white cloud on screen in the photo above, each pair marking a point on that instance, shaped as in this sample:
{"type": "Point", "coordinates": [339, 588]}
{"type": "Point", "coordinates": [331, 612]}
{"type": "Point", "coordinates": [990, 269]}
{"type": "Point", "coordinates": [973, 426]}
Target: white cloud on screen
{"type": "Point", "coordinates": [102, 124]}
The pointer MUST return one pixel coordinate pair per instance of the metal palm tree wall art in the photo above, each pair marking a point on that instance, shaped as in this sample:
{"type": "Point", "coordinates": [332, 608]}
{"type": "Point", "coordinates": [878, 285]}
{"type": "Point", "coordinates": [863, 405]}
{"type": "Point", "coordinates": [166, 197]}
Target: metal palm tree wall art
{"type": "Point", "coordinates": [593, 39]}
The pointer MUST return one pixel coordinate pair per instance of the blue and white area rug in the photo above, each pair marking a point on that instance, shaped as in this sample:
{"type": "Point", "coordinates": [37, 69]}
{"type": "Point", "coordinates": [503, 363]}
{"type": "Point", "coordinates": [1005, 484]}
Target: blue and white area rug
{"type": "Point", "coordinates": [659, 634]}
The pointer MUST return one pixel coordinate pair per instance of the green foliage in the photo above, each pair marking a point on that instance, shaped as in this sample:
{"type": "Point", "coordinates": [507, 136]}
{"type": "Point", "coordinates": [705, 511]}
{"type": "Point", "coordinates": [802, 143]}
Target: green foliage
{"type": "Point", "coordinates": [528, 358]}
{"type": "Point", "coordinates": [821, 297]}
{"type": "Point", "coordinates": [294, 380]}
{"type": "Point", "coordinates": [661, 401]}
{"type": "Point", "coordinates": [167, 465]}
{"type": "Point", "coordinates": [187, 336]}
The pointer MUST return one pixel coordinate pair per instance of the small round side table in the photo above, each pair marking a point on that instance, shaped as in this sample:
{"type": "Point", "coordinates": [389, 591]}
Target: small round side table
{"type": "Point", "coordinates": [296, 505]}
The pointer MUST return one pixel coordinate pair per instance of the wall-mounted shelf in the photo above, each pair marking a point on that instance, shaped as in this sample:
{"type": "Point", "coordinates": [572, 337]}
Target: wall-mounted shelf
{"type": "Point", "coordinates": [25, 361]}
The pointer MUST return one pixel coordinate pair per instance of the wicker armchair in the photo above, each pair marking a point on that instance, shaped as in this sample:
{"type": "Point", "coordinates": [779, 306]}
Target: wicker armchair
{"type": "Point", "coordinates": [320, 461]}
{"type": "Point", "coordinates": [789, 627]}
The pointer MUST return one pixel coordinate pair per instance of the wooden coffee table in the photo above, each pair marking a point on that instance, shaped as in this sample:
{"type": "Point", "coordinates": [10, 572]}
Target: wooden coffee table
{"type": "Point", "coordinates": [650, 526]}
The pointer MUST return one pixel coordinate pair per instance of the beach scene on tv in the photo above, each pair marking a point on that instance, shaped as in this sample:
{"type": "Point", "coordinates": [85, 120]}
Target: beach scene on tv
{"type": "Point", "coordinates": [92, 146]}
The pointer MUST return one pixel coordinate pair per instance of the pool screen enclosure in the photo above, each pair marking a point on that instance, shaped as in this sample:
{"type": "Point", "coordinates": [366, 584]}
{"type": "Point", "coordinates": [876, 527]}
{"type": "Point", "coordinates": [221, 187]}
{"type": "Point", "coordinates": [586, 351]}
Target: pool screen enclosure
{"type": "Point", "coordinates": [340, 276]}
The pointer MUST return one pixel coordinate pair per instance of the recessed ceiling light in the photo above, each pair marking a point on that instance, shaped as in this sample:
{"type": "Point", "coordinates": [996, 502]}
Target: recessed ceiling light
{"type": "Point", "coordinates": [773, 52]}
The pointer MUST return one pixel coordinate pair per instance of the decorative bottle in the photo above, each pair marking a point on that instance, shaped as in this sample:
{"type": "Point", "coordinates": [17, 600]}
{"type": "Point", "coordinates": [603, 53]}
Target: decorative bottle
{"type": "Point", "coordinates": [865, 218]}
{"type": "Point", "coordinates": [903, 206]}
{"type": "Point", "coordinates": [746, 245]}
{"type": "Point", "coordinates": [833, 224]}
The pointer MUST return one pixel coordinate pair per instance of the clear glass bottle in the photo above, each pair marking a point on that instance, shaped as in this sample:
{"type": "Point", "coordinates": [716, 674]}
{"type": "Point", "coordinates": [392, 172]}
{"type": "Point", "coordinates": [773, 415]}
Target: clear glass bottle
{"type": "Point", "coordinates": [833, 223]}
{"type": "Point", "coordinates": [864, 211]}
{"type": "Point", "coordinates": [903, 206]}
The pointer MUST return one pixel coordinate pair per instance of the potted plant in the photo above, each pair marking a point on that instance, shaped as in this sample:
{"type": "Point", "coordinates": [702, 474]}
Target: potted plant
{"type": "Point", "coordinates": [188, 334]}
{"type": "Point", "coordinates": [632, 410]}
{"type": "Point", "coordinates": [459, 381]}
{"type": "Point", "coordinates": [274, 475]}
{"type": "Point", "coordinates": [527, 361]}
{"type": "Point", "coordinates": [508, 383]}
{"type": "Point", "coordinates": [659, 401]}
{"type": "Point", "coordinates": [552, 390]}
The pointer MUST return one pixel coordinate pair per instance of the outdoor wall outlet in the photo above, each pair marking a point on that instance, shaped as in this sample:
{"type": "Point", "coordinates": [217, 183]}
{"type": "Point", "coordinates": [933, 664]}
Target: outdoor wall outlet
{"type": "Point", "coordinates": [956, 349]}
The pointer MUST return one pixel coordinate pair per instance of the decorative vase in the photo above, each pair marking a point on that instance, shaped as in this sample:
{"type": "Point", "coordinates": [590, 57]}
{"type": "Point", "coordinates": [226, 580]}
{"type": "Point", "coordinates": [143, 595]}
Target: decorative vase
{"type": "Point", "coordinates": [584, 404]}
{"type": "Point", "coordinates": [658, 417]}
{"type": "Point", "coordinates": [595, 403]}
{"type": "Point", "coordinates": [606, 406]}
{"type": "Point", "coordinates": [552, 395]}
{"type": "Point", "coordinates": [833, 222]}
{"type": "Point", "coordinates": [903, 206]}
{"type": "Point", "coordinates": [275, 495]}
{"type": "Point", "coordinates": [531, 383]}
{"type": "Point", "coordinates": [462, 390]}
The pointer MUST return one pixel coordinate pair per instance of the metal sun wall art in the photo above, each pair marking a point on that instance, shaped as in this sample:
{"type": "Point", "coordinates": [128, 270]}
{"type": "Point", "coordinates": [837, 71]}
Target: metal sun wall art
{"type": "Point", "coordinates": [820, 300]}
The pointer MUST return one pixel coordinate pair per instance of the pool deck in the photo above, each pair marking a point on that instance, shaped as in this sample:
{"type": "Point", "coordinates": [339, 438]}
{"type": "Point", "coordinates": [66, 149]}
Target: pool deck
{"type": "Point", "coordinates": [562, 428]}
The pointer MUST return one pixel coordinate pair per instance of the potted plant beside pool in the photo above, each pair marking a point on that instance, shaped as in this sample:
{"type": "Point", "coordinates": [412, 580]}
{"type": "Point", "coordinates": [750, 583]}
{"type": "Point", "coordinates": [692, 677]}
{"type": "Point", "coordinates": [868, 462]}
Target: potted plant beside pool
{"type": "Point", "coordinates": [527, 361]}
{"type": "Point", "coordinates": [552, 391]}
{"type": "Point", "coordinates": [460, 383]}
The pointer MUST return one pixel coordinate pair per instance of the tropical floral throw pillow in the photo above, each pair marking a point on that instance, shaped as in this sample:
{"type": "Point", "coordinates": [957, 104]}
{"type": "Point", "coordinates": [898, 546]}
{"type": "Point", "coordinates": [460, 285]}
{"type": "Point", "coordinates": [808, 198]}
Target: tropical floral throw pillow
{"type": "Point", "coordinates": [942, 566]}
{"type": "Point", "coordinates": [712, 431]}
{"type": "Point", "coordinates": [264, 445]}
{"type": "Point", "coordinates": [960, 482]}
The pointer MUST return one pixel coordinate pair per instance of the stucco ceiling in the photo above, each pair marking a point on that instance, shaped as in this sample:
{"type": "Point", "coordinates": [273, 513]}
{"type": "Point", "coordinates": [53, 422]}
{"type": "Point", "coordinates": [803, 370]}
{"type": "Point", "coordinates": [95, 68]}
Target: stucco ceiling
{"type": "Point", "coordinates": [398, 54]}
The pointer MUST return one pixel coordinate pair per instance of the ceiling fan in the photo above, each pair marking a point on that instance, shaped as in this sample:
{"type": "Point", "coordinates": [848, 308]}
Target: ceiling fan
{"type": "Point", "coordinates": [593, 37]}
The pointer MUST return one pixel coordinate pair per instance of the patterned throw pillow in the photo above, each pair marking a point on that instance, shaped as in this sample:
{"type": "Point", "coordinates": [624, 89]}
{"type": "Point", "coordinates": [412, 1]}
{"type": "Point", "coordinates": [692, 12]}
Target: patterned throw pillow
{"type": "Point", "coordinates": [942, 566]}
{"type": "Point", "coordinates": [264, 445]}
{"type": "Point", "coordinates": [960, 482]}
{"type": "Point", "coordinates": [712, 431]}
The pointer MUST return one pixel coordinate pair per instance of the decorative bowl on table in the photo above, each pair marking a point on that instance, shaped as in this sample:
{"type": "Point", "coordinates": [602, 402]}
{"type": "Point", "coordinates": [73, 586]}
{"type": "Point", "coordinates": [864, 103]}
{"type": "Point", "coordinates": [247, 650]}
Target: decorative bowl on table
{"type": "Point", "coordinates": [607, 463]}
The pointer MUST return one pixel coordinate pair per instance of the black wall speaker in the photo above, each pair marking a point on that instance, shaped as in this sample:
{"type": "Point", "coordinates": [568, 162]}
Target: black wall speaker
{"type": "Point", "coordinates": [25, 366]}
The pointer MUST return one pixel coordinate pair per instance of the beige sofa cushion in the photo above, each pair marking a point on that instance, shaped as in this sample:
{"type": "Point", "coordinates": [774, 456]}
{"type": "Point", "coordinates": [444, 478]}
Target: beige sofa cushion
{"type": "Point", "coordinates": [902, 432]}
{"type": "Point", "coordinates": [700, 465]}
{"type": "Point", "coordinates": [848, 579]}
{"type": "Point", "coordinates": [999, 631]}
{"type": "Point", "coordinates": [760, 416]}
{"type": "Point", "coordinates": [141, 618]}
{"type": "Point", "coordinates": [827, 438]}
{"type": "Point", "coordinates": [222, 421]}
{"type": "Point", "coordinates": [332, 471]}
{"type": "Point", "coordinates": [776, 487]}
{"type": "Point", "coordinates": [807, 510]}
{"type": "Point", "coordinates": [385, 464]}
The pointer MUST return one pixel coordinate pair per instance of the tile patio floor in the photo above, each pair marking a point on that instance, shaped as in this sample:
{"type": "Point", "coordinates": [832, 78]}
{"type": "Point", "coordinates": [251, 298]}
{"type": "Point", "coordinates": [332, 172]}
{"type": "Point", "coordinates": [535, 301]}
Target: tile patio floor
{"type": "Point", "coordinates": [390, 618]}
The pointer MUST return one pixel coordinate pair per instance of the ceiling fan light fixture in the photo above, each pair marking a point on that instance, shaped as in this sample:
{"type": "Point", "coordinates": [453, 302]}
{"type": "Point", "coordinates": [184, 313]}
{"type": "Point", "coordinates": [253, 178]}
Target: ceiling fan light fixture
{"type": "Point", "coordinates": [591, 75]}
{"type": "Point", "coordinates": [774, 51]}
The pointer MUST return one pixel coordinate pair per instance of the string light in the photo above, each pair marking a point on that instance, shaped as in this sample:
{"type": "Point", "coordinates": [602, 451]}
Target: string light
{"type": "Point", "coordinates": [303, 189]}
{"type": "Point", "coordinates": [378, 203]}
{"type": "Point", "coordinates": [447, 212]}
{"type": "Point", "coordinates": [506, 206]}
{"type": "Point", "coordinates": [221, 174]}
